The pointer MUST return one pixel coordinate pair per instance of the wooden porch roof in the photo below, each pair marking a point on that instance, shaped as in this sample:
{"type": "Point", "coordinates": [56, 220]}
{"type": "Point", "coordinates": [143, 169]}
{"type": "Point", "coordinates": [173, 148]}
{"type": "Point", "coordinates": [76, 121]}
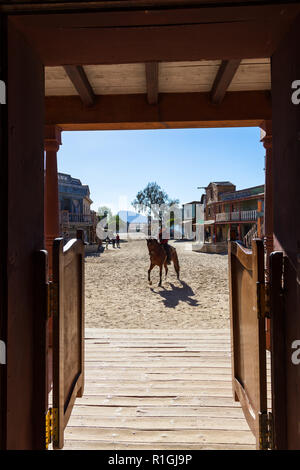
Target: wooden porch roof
{"type": "Point", "coordinates": [196, 65]}
{"type": "Point", "coordinates": [173, 77]}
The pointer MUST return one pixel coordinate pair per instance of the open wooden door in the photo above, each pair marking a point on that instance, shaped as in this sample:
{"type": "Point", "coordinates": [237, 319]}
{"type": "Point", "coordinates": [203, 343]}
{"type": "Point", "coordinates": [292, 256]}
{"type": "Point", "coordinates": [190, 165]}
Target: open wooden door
{"type": "Point", "coordinates": [248, 337]}
{"type": "Point", "coordinates": [68, 332]}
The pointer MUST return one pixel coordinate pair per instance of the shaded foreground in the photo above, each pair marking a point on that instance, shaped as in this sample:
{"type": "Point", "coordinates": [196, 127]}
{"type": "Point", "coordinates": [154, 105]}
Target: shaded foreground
{"type": "Point", "coordinates": [154, 389]}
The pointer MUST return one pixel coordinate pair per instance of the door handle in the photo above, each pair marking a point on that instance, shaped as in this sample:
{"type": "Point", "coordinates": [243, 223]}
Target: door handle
{"type": "Point", "coordinates": [2, 353]}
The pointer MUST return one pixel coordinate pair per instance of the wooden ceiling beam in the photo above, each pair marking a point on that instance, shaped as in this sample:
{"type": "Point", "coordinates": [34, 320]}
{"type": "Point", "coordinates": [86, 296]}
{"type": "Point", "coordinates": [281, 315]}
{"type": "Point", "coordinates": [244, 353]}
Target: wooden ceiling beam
{"type": "Point", "coordinates": [152, 82]}
{"type": "Point", "coordinates": [81, 83]}
{"type": "Point", "coordinates": [223, 79]}
{"type": "Point", "coordinates": [174, 110]}
{"type": "Point", "coordinates": [40, 6]}
{"type": "Point", "coordinates": [163, 35]}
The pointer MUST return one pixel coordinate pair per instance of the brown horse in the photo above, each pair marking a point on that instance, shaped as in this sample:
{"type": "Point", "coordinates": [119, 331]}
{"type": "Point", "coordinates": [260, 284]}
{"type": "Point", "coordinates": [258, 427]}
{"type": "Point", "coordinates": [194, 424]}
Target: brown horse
{"type": "Point", "coordinates": [158, 257]}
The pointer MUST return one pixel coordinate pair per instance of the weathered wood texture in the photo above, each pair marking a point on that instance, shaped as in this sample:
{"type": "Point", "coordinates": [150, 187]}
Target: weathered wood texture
{"type": "Point", "coordinates": [246, 277]}
{"type": "Point", "coordinates": [286, 170]}
{"type": "Point", "coordinates": [68, 330]}
{"type": "Point", "coordinates": [173, 77]}
{"type": "Point", "coordinates": [157, 389]}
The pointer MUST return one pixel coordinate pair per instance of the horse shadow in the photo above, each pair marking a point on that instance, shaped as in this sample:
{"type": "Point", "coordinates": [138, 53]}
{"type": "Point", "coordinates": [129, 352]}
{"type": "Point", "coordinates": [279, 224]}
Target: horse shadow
{"type": "Point", "coordinates": [183, 293]}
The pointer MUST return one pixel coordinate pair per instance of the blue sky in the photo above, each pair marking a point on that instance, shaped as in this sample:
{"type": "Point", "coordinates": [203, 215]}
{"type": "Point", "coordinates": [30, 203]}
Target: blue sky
{"type": "Point", "coordinates": [117, 164]}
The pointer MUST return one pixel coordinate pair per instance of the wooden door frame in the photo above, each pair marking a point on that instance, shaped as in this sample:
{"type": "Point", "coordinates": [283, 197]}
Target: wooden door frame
{"type": "Point", "coordinates": [278, 346]}
{"type": "Point", "coordinates": [285, 68]}
{"type": "Point", "coordinates": [3, 234]}
{"type": "Point", "coordinates": [21, 430]}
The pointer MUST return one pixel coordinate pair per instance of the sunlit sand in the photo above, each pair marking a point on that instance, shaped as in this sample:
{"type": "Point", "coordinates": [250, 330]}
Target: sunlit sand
{"type": "Point", "coordinates": [118, 294]}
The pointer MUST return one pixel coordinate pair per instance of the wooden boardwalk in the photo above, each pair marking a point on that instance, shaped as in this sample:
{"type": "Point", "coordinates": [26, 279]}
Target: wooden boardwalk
{"type": "Point", "coordinates": [157, 389]}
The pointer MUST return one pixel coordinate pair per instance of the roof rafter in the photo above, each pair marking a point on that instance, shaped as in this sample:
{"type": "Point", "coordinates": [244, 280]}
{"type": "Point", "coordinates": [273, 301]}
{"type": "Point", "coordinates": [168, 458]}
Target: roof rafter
{"type": "Point", "coordinates": [223, 79]}
{"type": "Point", "coordinates": [81, 83]}
{"type": "Point", "coordinates": [152, 82]}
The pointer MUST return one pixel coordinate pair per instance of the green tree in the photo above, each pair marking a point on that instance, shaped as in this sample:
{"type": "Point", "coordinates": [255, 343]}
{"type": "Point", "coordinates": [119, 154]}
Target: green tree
{"type": "Point", "coordinates": [148, 200]}
{"type": "Point", "coordinates": [150, 196]}
{"type": "Point", "coordinates": [104, 211]}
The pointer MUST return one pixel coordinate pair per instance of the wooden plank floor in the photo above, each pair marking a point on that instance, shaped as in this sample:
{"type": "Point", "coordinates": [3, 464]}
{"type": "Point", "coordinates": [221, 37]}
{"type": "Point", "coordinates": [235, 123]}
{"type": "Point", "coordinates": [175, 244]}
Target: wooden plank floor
{"type": "Point", "coordinates": [157, 389]}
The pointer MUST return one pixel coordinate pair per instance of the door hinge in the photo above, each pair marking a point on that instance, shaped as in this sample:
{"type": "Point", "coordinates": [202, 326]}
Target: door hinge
{"type": "Point", "coordinates": [266, 434]}
{"type": "Point", "coordinates": [2, 352]}
{"type": "Point", "coordinates": [48, 425]}
{"type": "Point", "coordinates": [51, 426]}
{"type": "Point", "coordinates": [52, 299]}
{"type": "Point", "coordinates": [260, 293]}
{"type": "Point", "coordinates": [267, 300]}
{"type": "Point", "coordinates": [263, 300]}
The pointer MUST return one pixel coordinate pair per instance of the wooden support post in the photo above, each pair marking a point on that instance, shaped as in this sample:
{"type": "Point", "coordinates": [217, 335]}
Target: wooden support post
{"type": "Point", "coordinates": [259, 224]}
{"type": "Point", "coordinates": [51, 146]}
{"type": "Point", "coordinates": [268, 212]}
{"type": "Point", "coordinates": [51, 222]}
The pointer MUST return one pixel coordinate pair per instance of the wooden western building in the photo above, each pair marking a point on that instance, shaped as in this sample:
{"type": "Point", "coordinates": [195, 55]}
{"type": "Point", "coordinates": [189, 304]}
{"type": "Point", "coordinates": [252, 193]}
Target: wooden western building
{"type": "Point", "coordinates": [93, 65]}
{"type": "Point", "coordinates": [189, 219]}
{"type": "Point", "coordinates": [75, 209]}
{"type": "Point", "coordinates": [233, 215]}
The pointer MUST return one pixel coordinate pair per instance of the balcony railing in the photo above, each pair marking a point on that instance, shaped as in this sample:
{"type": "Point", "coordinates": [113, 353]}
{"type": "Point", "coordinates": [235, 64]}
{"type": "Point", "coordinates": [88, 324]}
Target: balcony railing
{"type": "Point", "coordinates": [71, 217]}
{"type": "Point", "coordinates": [83, 218]}
{"type": "Point", "coordinates": [223, 217]}
{"type": "Point", "coordinates": [249, 215]}
{"type": "Point", "coordinates": [236, 216]}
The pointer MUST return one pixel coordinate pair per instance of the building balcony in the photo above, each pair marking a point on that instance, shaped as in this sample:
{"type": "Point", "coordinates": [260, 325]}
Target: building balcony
{"type": "Point", "coordinates": [223, 217]}
{"type": "Point", "coordinates": [238, 216]}
{"type": "Point", "coordinates": [249, 215]}
{"type": "Point", "coordinates": [67, 218]}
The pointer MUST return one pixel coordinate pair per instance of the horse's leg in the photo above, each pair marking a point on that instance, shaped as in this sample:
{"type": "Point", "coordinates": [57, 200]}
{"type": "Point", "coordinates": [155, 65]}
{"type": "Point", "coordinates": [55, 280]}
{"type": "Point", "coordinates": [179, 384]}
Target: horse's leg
{"type": "Point", "coordinates": [166, 268]}
{"type": "Point", "coordinates": [149, 271]}
{"type": "Point", "coordinates": [176, 263]}
{"type": "Point", "coordinates": [160, 275]}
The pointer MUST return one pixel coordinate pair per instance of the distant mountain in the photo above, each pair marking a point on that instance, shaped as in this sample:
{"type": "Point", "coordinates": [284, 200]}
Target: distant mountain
{"type": "Point", "coordinates": [132, 217]}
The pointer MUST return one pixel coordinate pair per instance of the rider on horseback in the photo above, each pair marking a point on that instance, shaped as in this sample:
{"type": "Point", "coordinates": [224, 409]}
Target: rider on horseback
{"type": "Point", "coordinates": [163, 239]}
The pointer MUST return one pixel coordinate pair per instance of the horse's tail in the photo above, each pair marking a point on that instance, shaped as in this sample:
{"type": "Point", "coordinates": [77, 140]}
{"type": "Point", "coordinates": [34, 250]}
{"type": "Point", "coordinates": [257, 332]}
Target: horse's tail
{"type": "Point", "coordinates": [175, 261]}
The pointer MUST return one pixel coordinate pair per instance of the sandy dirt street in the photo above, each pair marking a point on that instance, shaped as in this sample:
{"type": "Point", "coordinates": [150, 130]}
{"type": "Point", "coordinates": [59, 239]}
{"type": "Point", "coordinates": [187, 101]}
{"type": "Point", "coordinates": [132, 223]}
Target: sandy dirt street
{"type": "Point", "coordinates": [118, 294]}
